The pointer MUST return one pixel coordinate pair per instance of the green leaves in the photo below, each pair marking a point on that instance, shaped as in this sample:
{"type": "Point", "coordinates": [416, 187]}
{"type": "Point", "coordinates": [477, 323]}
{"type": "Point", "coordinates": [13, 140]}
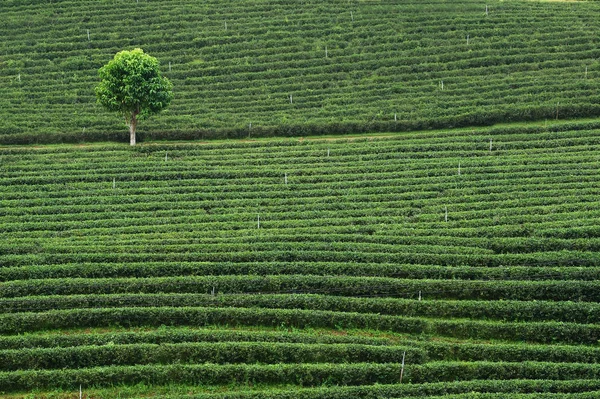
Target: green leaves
{"type": "Point", "coordinates": [131, 85]}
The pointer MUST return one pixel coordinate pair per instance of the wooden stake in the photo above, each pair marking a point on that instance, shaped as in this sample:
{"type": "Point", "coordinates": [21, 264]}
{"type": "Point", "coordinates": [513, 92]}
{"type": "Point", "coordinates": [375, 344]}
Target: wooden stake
{"type": "Point", "coordinates": [402, 369]}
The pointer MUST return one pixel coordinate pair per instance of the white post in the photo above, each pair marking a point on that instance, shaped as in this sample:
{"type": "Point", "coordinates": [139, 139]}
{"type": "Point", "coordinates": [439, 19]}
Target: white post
{"type": "Point", "coordinates": [258, 225]}
{"type": "Point", "coordinates": [442, 84]}
{"type": "Point", "coordinates": [83, 131]}
{"type": "Point", "coordinates": [225, 25]}
{"type": "Point", "coordinates": [213, 291]}
{"type": "Point", "coordinates": [19, 77]}
{"type": "Point", "coordinates": [586, 72]}
{"type": "Point", "coordinates": [446, 213]}
{"type": "Point", "coordinates": [467, 40]}
{"type": "Point", "coordinates": [395, 117]}
{"type": "Point", "coordinates": [80, 393]}
{"type": "Point", "coordinates": [459, 168]}
{"type": "Point", "coordinates": [114, 183]}
{"type": "Point", "coordinates": [327, 151]}
{"type": "Point", "coordinates": [402, 369]}
{"type": "Point", "coordinates": [291, 100]}
{"type": "Point", "coordinates": [486, 10]}
{"type": "Point", "coordinates": [88, 33]}
{"type": "Point", "coordinates": [352, 16]}
{"type": "Point", "coordinates": [419, 295]}
{"type": "Point", "coordinates": [169, 66]}
{"type": "Point", "coordinates": [326, 55]}
{"type": "Point", "coordinates": [490, 145]}
{"type": "Point", "coordinates": [285, 178]}
{"type": "Point", "coordinates": [166, 155]}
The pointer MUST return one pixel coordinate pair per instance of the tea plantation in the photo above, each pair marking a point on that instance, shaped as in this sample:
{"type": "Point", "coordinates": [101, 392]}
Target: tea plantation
{"type": "Point", "coordinates": [280, 67]}
{"type": "Point", "coordinates": [305, 268]}
{"type": "Point", "coordinates": [443, 255]}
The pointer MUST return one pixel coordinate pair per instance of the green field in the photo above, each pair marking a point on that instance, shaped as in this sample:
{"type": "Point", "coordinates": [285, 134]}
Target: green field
{"type": "Point", "coordinates": [296, 68]}
{"type": "Point", "coordinates": [346, 199]}
{"type": "Point", "coordinates": [305, 268]}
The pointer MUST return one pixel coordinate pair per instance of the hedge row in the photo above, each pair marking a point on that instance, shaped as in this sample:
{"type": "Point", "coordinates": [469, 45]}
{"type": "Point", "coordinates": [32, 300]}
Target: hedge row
{"type": "Point", "coordinates": [379, 391]}
{"type": "Point", "coordinates": [181, 335]}
{"type": "Point", "coordinates": [574, 312]}
{"type": "Point", "coordinates": [306, 284]}
{"type": "Point", "coordinates": [102, 270]}
{"type": "Point", "coordinates": [217, 353]}
{"type": "Point", "coordinates": [549, 332]}
{"type": "Point", "coordinates": [302, 375]}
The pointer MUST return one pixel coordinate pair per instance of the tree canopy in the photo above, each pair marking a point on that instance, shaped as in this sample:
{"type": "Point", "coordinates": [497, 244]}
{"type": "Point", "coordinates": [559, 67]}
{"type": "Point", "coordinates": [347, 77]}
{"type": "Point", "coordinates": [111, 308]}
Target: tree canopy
{"type": "Point", "coordinates": [131, 85]}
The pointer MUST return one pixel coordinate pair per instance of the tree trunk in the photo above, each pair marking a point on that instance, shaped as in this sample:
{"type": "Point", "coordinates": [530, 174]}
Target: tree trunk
{"type": "Point", "coordinates": [132, 126]}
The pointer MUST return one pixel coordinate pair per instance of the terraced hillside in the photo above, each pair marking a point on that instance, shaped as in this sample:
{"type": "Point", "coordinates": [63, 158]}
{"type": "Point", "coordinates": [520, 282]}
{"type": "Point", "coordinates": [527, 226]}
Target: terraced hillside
{"type": "Point", "coordinates": [305, 268]}
{"type": "Point", "coordinates": [263, 67]}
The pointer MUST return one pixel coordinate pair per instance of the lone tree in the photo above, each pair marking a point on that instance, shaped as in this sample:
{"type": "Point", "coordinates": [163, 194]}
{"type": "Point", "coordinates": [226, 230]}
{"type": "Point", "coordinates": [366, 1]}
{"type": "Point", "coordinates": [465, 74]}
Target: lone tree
{"type": "Point", "coordinates": [131, 85]}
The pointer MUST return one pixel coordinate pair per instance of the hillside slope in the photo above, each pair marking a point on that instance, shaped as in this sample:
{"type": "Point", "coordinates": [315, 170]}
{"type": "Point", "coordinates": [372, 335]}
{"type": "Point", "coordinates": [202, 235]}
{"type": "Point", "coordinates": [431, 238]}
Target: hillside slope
{"type": "Point", "coordinates": [257, 67]}
{"type": "Point", "coordinates": [305, 269]}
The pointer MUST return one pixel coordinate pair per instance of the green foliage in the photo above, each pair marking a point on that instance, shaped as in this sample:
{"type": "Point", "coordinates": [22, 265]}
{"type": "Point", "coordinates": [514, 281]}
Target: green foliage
{"type": "Point", "coordinates": [383, 70]}
{"type": "Point", "coordinates": [131, 85]}
{"type": "Point", "coordinates": [147, 265]}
